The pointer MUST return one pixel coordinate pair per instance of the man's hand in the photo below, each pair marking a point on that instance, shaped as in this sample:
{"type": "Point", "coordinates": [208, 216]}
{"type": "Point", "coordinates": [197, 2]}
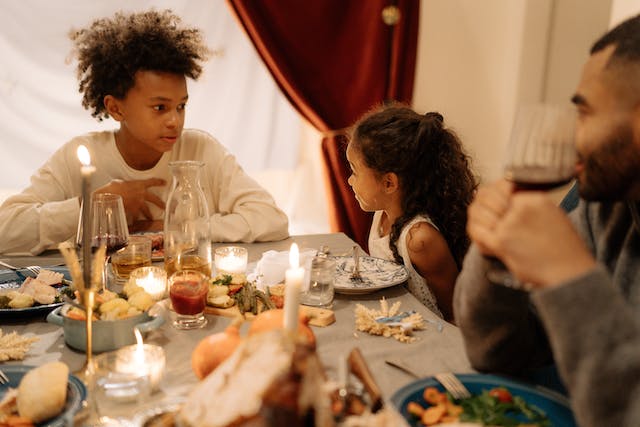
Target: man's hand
{"type": "Point", "coordinates": [135, 196]}
{"type": "Point", "coordinates": [529, 233]}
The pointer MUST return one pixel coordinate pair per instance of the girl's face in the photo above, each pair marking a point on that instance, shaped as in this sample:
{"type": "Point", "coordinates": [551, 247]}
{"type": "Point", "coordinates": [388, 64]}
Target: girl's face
{"type": "Point", "coordinates": [365, 182]}
{"type": "Point", "coordinates": [151, 115]}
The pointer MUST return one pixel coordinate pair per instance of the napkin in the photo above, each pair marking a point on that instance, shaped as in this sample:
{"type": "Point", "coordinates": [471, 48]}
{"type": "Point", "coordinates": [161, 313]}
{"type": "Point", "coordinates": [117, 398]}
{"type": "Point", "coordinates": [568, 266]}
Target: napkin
{"type": "Point", "coordinates": [273, 264]}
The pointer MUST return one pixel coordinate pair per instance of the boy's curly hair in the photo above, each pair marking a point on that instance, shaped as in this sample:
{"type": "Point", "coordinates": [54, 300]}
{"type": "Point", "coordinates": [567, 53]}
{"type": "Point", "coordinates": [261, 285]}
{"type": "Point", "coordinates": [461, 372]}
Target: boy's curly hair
{"type": "Point", "coordinates": [433, 170]}
{"type": "Point", "coordinates": [111, 50]}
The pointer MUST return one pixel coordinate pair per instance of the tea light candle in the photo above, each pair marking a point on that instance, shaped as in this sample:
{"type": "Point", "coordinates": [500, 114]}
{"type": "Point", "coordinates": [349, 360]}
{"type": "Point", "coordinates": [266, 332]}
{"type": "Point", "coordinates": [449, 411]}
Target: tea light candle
{"type": "Point", "coordinates": [231, 260]}
{"type": "Point", "coordinates": [152, 279]}
{"type": "Point", "coordinates": [293, 278]}
{"type": "Point", "coordinates": [86, 171]}
{"type": "Point", "coordinates": [142, 359]}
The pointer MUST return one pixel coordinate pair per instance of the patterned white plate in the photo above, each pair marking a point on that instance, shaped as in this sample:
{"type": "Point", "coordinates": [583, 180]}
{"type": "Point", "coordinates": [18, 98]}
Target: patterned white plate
{"type": "Point", "coordinates": [376, 274]}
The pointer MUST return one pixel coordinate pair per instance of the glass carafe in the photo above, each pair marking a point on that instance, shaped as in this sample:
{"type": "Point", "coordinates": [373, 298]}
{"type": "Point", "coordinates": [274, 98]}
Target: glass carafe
{"type": "Point", "coordinates": [187, 233]}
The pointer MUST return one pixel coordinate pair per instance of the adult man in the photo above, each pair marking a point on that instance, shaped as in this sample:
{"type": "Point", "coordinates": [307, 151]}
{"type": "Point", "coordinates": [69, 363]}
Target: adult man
{"type": "Point", "coordinates": [584, 309]}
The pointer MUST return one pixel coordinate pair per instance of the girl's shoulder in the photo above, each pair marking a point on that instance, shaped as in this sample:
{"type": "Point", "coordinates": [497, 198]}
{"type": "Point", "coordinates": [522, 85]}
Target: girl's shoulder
{"type": "Point", "coordinates": [422, 236]}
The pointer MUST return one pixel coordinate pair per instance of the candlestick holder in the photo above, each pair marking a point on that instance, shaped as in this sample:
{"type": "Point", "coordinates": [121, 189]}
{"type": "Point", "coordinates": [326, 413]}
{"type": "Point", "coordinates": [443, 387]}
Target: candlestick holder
{"type": "Point", "coordinates": [86, 373]}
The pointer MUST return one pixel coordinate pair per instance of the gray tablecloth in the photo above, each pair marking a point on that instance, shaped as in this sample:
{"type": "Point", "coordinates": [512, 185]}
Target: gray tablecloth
{"type": "Point", "coordinates": [434, 351]}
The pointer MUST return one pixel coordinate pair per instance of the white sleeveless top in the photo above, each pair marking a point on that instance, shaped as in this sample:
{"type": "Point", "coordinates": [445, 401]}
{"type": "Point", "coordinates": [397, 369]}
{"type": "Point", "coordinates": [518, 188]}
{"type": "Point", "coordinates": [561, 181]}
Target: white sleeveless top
{"type": "Point", "coordinates": [379, 248]}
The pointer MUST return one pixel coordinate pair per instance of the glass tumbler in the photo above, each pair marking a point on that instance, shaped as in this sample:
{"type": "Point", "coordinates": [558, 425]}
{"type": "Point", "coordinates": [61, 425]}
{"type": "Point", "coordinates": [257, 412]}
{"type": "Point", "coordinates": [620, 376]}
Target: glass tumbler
{"type": "Point", "coordinates": [188, 294]}
{"type": "Point", "coordinates": [321, 277]}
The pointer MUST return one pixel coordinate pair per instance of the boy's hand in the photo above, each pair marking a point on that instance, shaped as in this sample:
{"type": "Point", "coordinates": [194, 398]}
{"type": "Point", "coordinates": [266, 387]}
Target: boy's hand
{"type": "Point", "coordinates": [135, 196]}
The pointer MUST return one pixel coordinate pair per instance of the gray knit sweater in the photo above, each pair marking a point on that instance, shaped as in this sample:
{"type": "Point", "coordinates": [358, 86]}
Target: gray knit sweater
{"type": "Point", "coordinates": [590, 326]}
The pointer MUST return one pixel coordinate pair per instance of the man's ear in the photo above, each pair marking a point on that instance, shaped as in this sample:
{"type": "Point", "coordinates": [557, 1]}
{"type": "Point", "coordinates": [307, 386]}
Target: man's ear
{"type": "Point", "coordinates": [390, 182]}
{"type": "Point", "coordinates": [112, 105]}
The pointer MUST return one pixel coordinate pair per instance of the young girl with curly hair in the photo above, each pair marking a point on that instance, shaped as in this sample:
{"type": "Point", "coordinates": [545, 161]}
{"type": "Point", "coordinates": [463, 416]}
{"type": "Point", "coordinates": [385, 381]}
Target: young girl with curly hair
{"type": "Point", "coordinates": [414, 174]}
{"type": "Point", "coordinates": [133, 68]}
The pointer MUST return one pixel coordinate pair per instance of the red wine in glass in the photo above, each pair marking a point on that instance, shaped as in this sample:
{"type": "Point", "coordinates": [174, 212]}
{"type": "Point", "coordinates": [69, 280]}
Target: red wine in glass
{"type": "Point", "coordinates": [537, 178]}
{"type": "Point", "coordinates": [113, 243]}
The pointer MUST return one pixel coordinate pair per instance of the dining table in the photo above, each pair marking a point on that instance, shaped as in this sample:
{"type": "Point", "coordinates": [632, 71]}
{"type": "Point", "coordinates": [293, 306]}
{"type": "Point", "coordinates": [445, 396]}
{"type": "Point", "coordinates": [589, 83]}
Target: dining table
{"type": "Point", "coordinates": [437, 348]}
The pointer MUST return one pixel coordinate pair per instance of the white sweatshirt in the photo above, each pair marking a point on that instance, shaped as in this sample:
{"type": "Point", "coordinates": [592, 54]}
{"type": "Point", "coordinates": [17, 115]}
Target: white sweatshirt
{"type": "Point", "coordinates": [46, 213]}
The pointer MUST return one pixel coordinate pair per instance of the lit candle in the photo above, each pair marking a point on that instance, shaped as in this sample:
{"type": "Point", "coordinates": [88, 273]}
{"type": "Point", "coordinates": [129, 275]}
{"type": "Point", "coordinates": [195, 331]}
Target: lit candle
{"type": "Point", "coordinates": [293, 283]}
{"type": "Point", "coordinates": [231, 260]}
{"type": "Point", "coordinates": [152, 279]}
{"type": "Point", "coordinates": [143, 360]}
{"type": "Point", "coordinates": [86, 171]}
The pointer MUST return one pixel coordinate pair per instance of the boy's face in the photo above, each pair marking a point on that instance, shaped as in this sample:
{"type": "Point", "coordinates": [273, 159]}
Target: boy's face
{"type": "Point", "coordinates": [151, 115]}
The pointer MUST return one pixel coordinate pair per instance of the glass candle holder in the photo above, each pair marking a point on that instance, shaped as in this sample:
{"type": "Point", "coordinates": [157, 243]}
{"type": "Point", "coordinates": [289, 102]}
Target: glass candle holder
{"type": "Point", "coordinates": [152, 279]}
{"type": "Point", "coordinates": [231, 260]}
{"type": "Point", "coordinates": [130, 373]}
{"type": "Point", "coordinates": [147, 359]}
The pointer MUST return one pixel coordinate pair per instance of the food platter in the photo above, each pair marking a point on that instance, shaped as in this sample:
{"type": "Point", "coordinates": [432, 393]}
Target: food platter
{"type": "Point", "coordinates": [555, 405]}
{"type": "Point", "coordinates": [376, 274]}
{"type": "Point", "coordinates": [76, 394]}
{"type": "Point", "coordinates": [10, 279]}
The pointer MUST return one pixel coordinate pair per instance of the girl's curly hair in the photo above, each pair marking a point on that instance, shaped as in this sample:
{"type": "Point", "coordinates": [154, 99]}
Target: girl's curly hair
{"type": "Point", "coordinates": [433, 170]}
{"type": "Point", "coordinates": [111, 50]}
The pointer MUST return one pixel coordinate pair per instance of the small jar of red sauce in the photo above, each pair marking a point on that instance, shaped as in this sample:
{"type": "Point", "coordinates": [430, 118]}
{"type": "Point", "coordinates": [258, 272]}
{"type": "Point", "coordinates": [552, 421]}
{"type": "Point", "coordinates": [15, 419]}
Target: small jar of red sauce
{"type": "Point", "coordinates": [188, 294]}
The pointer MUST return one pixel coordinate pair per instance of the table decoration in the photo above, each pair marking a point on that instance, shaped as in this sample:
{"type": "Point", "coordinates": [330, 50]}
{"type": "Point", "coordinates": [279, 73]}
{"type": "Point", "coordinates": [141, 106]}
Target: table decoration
{"type": "Point", "coordinates": [14, 346]}
{"type": "Point", "coordinates": [152, 279]}
{"type": "Point", "coordinates": [389, 322]}
{"type": "Point", "coordinates": [87, 292]}
{"type": "Point", "coordinates": [231, 260]}
{"type": "Point", "coordinates": [142, 358]}
{"type": "Point", "coordinates": [292, 284]}
{"type": "Point", "coordinates": [86, 171]}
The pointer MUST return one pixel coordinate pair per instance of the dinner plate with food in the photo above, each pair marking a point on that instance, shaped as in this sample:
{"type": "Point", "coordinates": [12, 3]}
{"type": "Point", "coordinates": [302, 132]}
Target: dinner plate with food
{"type": "Point", "coordinates": [23, 294]}
{"type": "Point", "coordinates": [495, 401]}
{"type": "Point", "coordinates": [375, 274]}
{"type": "Point", "coordinates": [47, 396]}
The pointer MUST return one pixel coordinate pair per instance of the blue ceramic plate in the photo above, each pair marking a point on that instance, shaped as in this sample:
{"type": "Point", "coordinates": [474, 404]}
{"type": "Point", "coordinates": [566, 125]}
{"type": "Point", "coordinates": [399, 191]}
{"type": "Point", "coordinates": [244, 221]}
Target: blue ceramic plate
{"type": "Point", "coordinates": [553, 404]}
{"type": "Point", "coordinates": [11, 280]}
{"type": "Point", "coordinates": [76, 394]}
{"type": "Point", "coordinates": [376, 274]}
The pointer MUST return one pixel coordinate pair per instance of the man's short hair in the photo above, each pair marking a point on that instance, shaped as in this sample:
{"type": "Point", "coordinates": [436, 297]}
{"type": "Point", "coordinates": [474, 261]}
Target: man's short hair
{"type": "Point", "coordinates": [626, 38]}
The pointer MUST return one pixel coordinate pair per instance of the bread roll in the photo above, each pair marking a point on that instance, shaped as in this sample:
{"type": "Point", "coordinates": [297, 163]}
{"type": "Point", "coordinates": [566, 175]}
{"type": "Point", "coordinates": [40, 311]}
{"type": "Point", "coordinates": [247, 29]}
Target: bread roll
{"type": "Point", "coordinates": [42, 392]}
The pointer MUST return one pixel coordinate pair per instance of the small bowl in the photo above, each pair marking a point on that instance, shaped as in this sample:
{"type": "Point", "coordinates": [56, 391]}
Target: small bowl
{"type": "Point", "coordinates": [107, 334]}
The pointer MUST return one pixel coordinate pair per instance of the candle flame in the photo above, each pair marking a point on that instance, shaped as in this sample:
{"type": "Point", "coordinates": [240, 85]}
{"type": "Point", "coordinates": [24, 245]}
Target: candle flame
{"type": "Point", "coordinates": [294, 256]}
{"type": "Point", "coordinates": [83, 155]}
{"type": "Point", "coordinates": [139, 354]}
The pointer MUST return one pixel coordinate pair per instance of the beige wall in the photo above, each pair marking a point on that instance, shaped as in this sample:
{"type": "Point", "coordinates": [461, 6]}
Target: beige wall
{"type": "Point", "coordinates": [477, 60]}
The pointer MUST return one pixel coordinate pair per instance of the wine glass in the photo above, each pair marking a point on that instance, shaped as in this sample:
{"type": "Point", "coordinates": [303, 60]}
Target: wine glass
{"type": "Point", "coordinates": [541, 155]}
{"type": "Point", "coordinates": [108, 227]}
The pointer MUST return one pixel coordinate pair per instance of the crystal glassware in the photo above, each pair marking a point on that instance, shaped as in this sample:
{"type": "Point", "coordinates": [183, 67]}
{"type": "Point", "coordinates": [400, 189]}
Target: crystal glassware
{"type": "Point", "coordinates": [108, 227]}
{"type": "Point", "coordinates": [187, 233]}
{"type": "Point", "coordinates": [541, 155]}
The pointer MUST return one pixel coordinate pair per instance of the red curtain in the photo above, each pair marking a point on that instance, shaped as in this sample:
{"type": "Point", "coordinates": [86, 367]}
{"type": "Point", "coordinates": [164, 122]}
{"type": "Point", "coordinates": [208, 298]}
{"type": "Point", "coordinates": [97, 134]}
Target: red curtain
{"type": "Point", "coordinates": [334, 60]}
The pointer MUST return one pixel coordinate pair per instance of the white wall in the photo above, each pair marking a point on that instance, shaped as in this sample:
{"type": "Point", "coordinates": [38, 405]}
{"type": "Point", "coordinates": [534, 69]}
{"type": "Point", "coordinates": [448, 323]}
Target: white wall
{"type": "Point", "coordinates": [622, 9]}
{"type": "Point", "coordinates": [477, 60]}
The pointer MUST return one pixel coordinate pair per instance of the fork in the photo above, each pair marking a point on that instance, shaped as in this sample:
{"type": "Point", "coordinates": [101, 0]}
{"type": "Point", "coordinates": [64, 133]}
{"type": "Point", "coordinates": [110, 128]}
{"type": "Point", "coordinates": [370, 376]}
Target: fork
{"type": "Point", "coordinates": [33, 269]}
{"type": "Point", "coordinates": [4, 379]}
{"type": "Point", "coordinates": [453, 385]}
{"type": "Point", "coordinates": [355, 274]}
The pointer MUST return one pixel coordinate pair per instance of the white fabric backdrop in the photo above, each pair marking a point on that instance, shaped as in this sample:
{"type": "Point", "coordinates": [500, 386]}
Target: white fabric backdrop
{"type": "Point", "coordinates": [235, 99]}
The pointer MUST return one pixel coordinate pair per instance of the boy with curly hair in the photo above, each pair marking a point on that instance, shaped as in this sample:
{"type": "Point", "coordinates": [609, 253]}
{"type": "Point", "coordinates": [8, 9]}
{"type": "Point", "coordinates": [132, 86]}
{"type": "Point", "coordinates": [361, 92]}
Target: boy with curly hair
{"type": "Point", "coordinates": [133, 69]}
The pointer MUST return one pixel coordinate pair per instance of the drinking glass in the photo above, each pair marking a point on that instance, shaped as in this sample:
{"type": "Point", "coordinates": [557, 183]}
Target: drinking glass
{"type": "Point", "coordinates": [136, 254]}
{"type": "Point", "coordinates": [108, 227]}
{"type": "Point", "coordinates": [540, 156]}
{"type": "Point", "coordinates": [321, 283]}
{"type": "Point", "coordinates": [188, 294]}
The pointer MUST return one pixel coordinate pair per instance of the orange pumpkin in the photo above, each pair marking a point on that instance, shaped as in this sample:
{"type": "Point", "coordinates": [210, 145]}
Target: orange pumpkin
{"type": "Point", "coordinates": [274, 319]}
